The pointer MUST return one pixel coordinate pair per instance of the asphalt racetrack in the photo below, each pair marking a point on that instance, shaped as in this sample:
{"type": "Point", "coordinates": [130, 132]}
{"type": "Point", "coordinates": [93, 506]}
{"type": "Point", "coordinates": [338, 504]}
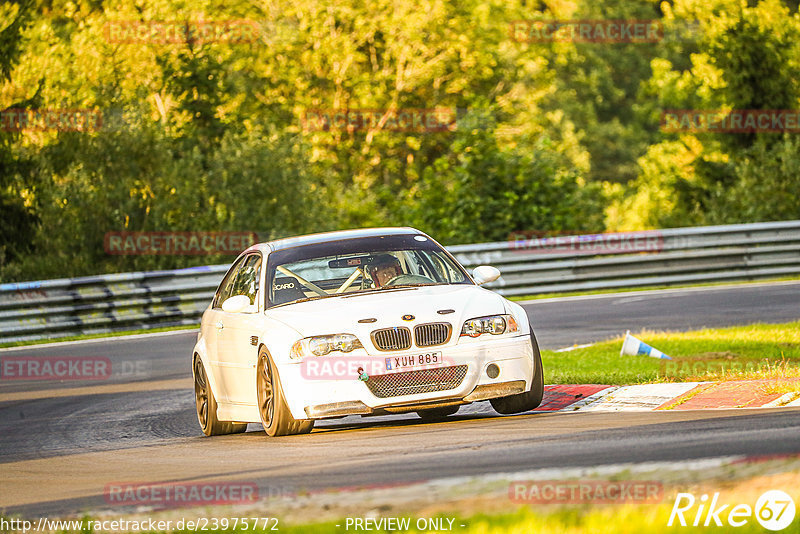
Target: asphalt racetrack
{"type": "Point", "coordinates": [61, 443]}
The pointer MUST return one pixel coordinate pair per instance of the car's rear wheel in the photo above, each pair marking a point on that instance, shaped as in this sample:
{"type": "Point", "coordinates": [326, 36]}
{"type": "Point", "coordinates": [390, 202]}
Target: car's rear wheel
{"type": "Point", "coordinates": [275, 415]}
{"type": "Point", "coordinates": [206, 405]}
{"type": "Point", "coordinates": [531, 399]}
{"type": "Point", "coordinates": [437, 414]}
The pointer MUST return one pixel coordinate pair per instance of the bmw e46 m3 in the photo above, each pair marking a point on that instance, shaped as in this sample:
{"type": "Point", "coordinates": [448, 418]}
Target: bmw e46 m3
{"type": "Point", "coordinates": [358, 322]}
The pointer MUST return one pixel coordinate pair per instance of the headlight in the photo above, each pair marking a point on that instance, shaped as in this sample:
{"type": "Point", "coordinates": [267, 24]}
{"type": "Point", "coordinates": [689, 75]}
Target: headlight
{"type": "Point", "coordinates": [493, 324]}
{"type": "Point", "coordinates": [322, 345]}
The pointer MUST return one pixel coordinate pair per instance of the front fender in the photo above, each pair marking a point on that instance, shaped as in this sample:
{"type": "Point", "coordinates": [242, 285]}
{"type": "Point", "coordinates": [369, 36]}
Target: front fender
{"type": "Point", "coordinates": [278, 337]}
{"type": "Point", "coordinates": [520, 315]}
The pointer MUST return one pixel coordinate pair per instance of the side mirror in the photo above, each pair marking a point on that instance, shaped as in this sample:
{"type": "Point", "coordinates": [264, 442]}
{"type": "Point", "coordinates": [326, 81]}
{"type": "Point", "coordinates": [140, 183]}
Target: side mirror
{"type": "Point", "coordinates": [483, 274]}
{"type": "Point", "coordinates": [237, 304]}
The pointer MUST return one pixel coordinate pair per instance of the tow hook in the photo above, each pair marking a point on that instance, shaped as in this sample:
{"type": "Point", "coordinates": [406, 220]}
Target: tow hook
{"type": "Point", "coordinates": [362, 375]}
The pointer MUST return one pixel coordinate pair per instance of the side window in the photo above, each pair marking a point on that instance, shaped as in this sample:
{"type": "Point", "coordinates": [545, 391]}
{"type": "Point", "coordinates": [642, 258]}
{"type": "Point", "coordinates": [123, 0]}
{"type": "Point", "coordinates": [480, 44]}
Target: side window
{"type": "Point", "coordinates": [225, 289]}
{"type": "Point", "coordinates": [246, 282]}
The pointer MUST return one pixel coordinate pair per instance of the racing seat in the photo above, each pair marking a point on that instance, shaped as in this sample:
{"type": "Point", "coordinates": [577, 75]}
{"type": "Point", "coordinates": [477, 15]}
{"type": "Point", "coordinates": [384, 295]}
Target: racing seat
{"type": "Point", "coordinates": [286, 289]}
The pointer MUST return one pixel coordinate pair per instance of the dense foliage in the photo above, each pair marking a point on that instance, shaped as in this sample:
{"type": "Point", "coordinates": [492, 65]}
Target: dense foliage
{"type": "Point", "coordinates": [208, 135]}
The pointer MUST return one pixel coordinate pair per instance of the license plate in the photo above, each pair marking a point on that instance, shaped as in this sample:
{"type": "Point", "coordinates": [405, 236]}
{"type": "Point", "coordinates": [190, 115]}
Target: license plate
{"type": "Point", "coordinates": [409, 361]}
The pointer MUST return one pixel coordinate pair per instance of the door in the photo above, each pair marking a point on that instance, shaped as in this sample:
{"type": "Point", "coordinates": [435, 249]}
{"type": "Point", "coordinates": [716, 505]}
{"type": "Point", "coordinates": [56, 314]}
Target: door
{"type": "Point", "coordinates": [213, 328]}
{"type": "Point", "coordinates": [237, 345]}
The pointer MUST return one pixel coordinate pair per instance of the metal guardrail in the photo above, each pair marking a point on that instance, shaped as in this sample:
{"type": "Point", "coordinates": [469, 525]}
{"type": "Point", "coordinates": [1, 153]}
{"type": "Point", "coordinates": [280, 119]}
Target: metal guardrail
{"type": "Point", "coordinates": [682, 255]}
{"type": "Point", "coordinates": [108, 303]}
{"type": "Point", "coordinates": [104, 304]}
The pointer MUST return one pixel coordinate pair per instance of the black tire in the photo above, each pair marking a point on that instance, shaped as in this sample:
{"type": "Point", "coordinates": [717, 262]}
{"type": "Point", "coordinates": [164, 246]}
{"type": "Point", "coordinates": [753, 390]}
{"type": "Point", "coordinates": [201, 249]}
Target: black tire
{"type": "Point", "coordinates": [531, 399]}
{"type": "Point", "coordinates": [437, 414]}
{"type": "Point", "coordinates": [275, 416]}
{"type": "Point", "coordinates": [206, 405]}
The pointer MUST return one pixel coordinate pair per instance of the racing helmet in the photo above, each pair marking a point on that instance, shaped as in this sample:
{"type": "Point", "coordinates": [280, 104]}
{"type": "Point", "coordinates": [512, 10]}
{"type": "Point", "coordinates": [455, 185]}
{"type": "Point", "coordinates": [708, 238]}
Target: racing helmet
{"type": "Point", "coordinates": [381, 263]}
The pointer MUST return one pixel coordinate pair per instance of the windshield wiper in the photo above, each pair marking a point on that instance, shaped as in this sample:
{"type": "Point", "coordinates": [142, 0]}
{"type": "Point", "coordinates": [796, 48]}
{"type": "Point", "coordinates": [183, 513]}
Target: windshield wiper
{"type": "Point", "coordinates": [385, 288]}
{"type": "Point", "coordinates": [317, 297]}
{"type": "Point", "coordinates": [357, 293]}
{"type": "Point", "coordinates": [306, 299]}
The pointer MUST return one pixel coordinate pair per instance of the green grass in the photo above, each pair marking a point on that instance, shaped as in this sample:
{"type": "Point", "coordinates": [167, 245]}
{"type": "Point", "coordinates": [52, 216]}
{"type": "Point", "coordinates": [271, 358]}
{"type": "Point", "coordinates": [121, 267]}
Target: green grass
{"type": "Point", "coordinates": [740, 352]}
{"type": "Point", "coordinates": [633, 519]}
{"type": "Point", "coordinates": [647, 288]}
{"type": "Point", "coordinates": [97, 336]}
{"type": "Point", "coordinates": [577, 519]}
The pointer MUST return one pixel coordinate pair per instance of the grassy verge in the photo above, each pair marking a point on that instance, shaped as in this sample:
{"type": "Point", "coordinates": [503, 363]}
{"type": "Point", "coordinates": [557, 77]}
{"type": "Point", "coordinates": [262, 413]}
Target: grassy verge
{"type": "Point", "coordinates": [578, 520]}
{"type": "Point", "coordinates": [735, 353]}
{"type": "Point", "coordinates": [489, 510]}
{"type": "Point", "coordinates": [97, 336]}
{"type": "Point", "coordinates": [481, 505]}
{"type": "Point", "coordinates": [594, 519]}
{"type": "Point", "coordinates": [648, 288]}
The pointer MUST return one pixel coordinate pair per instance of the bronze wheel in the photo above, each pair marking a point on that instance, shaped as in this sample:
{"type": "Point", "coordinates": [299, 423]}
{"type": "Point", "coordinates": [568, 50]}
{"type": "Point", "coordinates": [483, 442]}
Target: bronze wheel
{"type": "Point", "coordinates": [206, 405]}
{"type": "Point", "coordinates": [275, 416]}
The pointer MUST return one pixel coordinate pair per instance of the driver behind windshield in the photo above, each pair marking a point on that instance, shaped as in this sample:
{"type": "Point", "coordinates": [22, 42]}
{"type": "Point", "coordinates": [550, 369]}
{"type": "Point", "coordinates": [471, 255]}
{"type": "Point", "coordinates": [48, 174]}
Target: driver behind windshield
{"type": "Point", "coordinates": [383, 268]}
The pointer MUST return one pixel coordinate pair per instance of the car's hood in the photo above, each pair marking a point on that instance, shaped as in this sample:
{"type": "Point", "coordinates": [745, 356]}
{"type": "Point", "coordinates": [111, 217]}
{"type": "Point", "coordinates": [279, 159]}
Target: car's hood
{"type": "Point", "coordinates": [341, 314]}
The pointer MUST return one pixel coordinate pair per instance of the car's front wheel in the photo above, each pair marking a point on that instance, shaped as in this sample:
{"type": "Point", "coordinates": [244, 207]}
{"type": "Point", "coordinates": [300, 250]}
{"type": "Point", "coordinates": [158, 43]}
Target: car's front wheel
{"type": "Point", "coordinates": [531, 399]}
{"type": "Point", "coordinates": [275, 415]}
{"type": "Point", "coordinates": [206, 405]}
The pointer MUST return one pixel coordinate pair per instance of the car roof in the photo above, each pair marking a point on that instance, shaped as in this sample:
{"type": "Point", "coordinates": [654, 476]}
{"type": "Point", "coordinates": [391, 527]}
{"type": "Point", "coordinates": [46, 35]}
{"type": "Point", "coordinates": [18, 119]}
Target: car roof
{"type": "Point", "coordinates": [327, 237]}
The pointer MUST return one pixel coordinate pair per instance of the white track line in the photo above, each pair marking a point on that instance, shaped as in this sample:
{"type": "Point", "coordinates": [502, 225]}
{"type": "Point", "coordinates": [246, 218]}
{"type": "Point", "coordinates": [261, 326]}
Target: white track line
{"type": "Point", "coordinates": [101, 339]}
{"type": "Point", "coordinates": [665, 292]}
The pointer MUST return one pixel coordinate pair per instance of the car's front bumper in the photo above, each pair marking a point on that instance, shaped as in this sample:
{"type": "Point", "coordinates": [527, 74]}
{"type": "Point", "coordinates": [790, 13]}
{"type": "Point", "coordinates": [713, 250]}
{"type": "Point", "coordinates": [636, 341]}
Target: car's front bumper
{"type": "Point", "coordinates": [310, 398]}
{"type": "Point", "coordinates": [483, 392]}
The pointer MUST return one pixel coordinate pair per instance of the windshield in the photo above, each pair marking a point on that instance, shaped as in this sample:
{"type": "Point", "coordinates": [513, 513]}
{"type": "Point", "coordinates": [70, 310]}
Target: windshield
{"type": "Point", "coordinates": [351, 266]}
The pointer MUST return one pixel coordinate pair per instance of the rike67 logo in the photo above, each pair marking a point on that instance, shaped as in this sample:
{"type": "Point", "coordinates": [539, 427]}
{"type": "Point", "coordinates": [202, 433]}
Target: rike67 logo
{"type": "Point", "coordinates": [774, 510]}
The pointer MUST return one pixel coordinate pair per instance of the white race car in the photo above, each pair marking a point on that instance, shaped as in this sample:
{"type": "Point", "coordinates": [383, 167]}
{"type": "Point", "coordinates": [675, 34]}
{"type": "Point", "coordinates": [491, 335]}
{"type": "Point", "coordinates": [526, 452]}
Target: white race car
{"type": "Point", "coordinates": [358, 322]}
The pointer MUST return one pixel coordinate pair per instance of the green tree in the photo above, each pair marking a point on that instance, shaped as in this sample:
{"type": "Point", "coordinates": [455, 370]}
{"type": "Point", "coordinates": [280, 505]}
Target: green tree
{"type": "Point", "coordinates": [17, 210]}
{"type": "Point", "coordinates": [748, 58]}
{"type": "Point", "coordinates": [482, 192]}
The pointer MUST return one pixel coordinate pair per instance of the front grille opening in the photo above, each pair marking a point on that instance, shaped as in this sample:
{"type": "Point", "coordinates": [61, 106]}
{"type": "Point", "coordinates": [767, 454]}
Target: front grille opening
{"type": "Point", "coordinates": [428, 335]}
{"type": "Point", "coordinates": [392, 338]}
{"type": "Point", "coordinates": [416, 382]}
